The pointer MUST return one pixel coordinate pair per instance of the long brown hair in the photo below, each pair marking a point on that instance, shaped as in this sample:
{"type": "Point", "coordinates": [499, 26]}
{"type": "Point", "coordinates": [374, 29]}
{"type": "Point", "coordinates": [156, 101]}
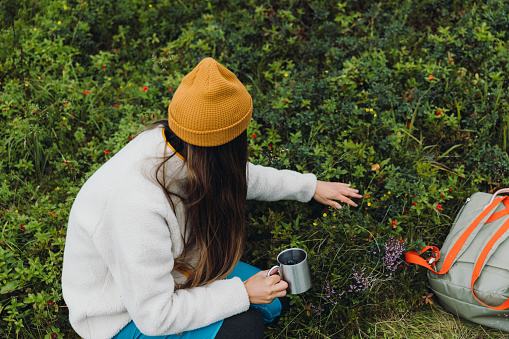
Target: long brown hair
{"type": "Point", "coordinates": [214, 202]}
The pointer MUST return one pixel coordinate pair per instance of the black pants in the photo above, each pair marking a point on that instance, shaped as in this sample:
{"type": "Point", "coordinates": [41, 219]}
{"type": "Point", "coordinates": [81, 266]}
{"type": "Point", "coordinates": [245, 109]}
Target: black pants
{"type": "Point", "coordinates": [247, 325]}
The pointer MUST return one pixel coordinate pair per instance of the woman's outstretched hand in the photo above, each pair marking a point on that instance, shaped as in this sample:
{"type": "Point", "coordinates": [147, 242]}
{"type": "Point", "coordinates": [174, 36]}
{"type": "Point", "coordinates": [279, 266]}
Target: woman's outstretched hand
{"type": "Point", "coordinates": [263, 290]}
{"type": "Point", "coordinates": [327, 192]}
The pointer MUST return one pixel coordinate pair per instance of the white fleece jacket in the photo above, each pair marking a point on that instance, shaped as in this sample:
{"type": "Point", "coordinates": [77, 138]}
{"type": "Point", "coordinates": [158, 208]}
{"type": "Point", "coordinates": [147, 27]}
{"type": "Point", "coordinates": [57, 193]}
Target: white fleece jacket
{"type": "Point", "coordinates": [122, 237]}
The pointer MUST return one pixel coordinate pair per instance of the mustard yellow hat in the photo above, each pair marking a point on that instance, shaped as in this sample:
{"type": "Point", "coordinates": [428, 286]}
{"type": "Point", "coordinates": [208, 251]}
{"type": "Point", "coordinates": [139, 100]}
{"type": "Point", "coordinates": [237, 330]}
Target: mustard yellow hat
{"type": "Point", "coordinates": [210, 107]}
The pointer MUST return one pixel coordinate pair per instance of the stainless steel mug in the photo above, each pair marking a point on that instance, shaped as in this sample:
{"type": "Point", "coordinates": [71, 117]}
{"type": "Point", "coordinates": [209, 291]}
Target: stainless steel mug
{"type": "Point", "coordinates": [293, 268]}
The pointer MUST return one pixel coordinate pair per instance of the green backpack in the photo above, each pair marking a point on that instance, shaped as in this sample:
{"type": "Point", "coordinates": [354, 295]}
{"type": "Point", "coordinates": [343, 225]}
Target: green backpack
{"type": "Point", "coordinates": [470, 274]}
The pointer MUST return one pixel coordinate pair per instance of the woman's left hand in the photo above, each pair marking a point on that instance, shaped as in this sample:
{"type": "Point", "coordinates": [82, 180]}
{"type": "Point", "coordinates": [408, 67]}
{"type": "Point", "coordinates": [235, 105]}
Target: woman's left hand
{"type": "Point", "coordinates": [327, 192]}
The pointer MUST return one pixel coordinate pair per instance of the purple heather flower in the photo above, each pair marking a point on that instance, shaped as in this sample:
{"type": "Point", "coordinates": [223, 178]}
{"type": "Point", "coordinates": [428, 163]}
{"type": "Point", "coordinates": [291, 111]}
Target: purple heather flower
{"type": "Point", "coordinates": [363, 281]}
{"type": "Point", "coordinates": [393, 251]}
{"type": "Point", "coordinates": [317, 309]}
{"type": "Point", "coordinates": [331, 296]}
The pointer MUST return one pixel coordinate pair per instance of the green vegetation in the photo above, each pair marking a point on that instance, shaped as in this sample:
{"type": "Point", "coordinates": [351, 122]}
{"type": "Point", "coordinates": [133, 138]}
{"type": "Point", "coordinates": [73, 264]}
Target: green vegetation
{"type": "Point", "coordinates": [405, 100]}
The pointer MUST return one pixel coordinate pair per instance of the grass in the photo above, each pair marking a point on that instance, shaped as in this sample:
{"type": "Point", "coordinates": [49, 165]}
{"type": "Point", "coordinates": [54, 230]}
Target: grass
{"type": "Point", "coordinates": [431, 322]}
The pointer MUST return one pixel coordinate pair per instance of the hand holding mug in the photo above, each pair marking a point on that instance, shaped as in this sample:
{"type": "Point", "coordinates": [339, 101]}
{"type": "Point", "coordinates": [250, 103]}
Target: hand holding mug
{"type": "Point", "coordinates": [263, 289]}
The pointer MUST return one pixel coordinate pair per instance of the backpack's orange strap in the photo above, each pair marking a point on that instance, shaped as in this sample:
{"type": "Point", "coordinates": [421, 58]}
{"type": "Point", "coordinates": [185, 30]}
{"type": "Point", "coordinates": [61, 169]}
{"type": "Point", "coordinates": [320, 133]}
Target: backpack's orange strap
{"type": "Point", "coordinates": [482, 258]}
{"type": "Point", "coordinates": [501, 213]}
{"type": "Point", "coordinates": [413, 257]}
{"type": "Point", "coordinates": [449, 259]}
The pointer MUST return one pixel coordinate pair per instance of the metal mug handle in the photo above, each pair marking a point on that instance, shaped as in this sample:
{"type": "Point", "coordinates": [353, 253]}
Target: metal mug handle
{"type": "Point", "coordinates": [273, 268]}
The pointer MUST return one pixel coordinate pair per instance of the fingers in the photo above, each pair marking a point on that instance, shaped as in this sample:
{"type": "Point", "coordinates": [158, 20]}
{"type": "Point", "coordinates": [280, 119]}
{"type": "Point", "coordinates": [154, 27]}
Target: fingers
{"type": "Point", "coordinates": [281, 286]}
{"type": "Point", "coordinates": [347, 191]}
{"type": "Point", "coordinates": [341, 198]}
{"type": "Point", "coordinates": [328, 193]}
{"type": "Point", "coordinates": [275, 287]}
{"type": "Point", "coordinates": [275, 271]}
{"type": "Point", "coordinates": [280, 292]}
{"type": "Point", "coordinates": [273, 279]}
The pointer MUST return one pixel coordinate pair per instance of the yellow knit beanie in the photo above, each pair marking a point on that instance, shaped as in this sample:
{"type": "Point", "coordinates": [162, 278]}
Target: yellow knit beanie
{"type": "Point", "coordinates": [210, 107]}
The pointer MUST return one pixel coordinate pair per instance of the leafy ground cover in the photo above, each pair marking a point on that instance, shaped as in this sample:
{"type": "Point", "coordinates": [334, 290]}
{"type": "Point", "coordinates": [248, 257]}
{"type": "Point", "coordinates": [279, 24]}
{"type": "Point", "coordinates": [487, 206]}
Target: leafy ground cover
{"type": "Point", "coordinates": [405, 100]}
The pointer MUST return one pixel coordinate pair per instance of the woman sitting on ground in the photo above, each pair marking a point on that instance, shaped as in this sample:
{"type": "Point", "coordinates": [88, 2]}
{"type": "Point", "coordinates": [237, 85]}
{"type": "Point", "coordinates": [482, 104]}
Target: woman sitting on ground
{"type": "Point", "coordinates": [155, 236]}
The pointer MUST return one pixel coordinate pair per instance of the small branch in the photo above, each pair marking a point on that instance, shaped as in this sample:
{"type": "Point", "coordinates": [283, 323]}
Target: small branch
{"type": "Point", "coordinates": [8, 245]}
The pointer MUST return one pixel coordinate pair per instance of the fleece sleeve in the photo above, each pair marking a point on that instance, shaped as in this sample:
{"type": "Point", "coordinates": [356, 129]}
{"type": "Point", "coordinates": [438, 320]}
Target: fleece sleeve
{"type": "Point", "coordinates": [136, 242]}
{"type": "Point", "coordinates": [270, 184]}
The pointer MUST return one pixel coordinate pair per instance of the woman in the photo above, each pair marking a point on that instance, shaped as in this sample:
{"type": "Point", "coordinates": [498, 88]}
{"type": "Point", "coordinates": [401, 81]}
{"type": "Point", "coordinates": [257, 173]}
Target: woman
{"type": "Point", "coordinates": [155, 235]}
